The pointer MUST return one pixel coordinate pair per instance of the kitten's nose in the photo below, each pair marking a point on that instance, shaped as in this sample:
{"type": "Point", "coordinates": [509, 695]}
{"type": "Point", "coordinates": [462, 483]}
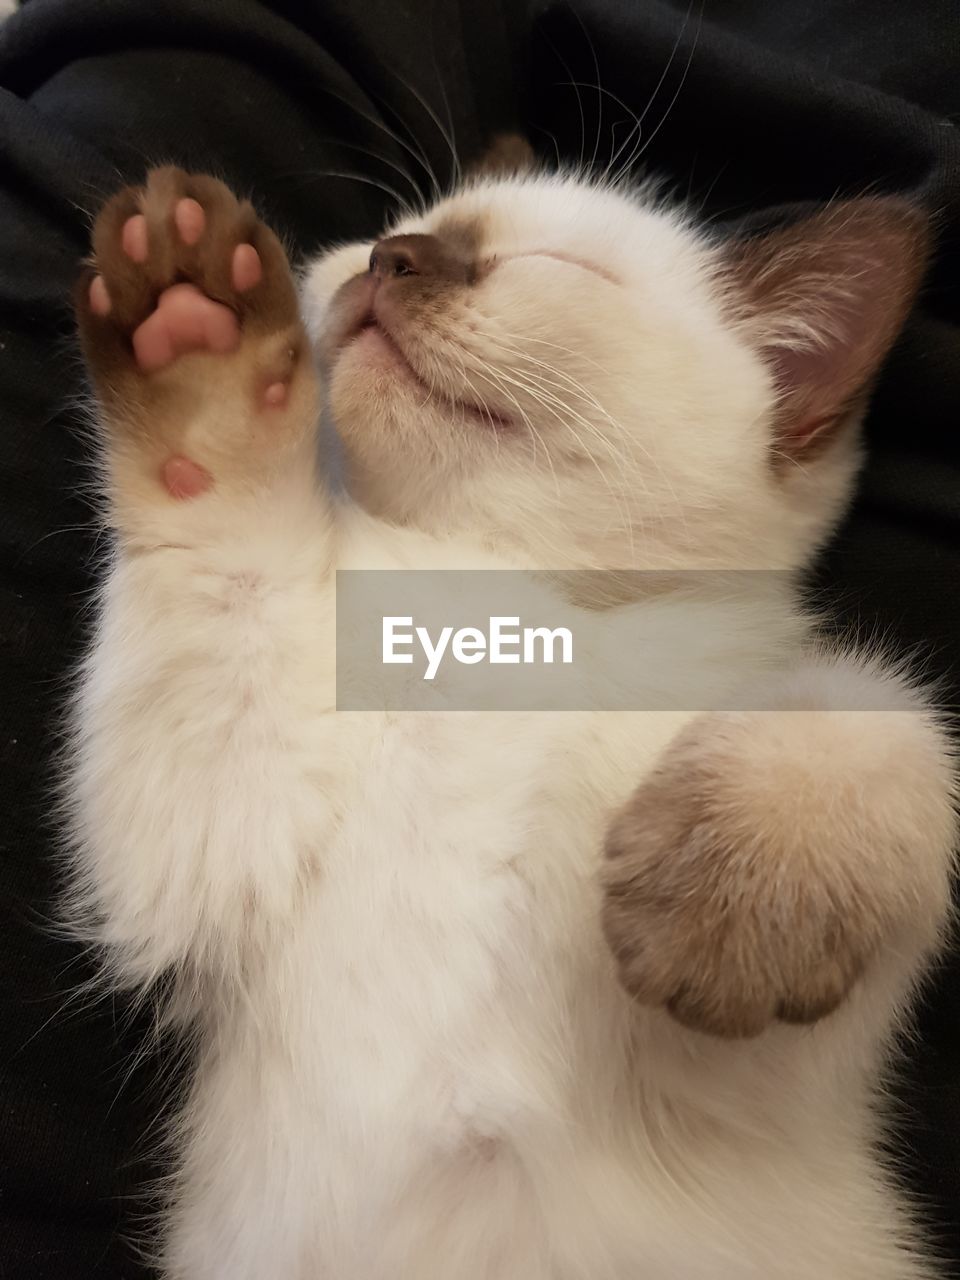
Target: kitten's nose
{"type": "Point", "coordinates": [426, 256]}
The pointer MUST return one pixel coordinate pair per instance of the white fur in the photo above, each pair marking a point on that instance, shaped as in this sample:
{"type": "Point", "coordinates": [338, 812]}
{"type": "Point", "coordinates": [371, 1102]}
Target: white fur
{"type": "Point", "coordinates": [415, 1061]}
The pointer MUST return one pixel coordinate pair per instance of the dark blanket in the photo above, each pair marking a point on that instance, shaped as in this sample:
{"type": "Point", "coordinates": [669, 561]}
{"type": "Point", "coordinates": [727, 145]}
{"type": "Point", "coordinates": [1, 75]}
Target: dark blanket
{"type": "Point", "coordinates": [744, 103]}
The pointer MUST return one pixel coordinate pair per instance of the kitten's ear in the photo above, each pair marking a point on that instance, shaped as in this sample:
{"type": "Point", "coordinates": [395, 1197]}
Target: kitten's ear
{"type": "Point", "coordinates": [823, 300]}
{"type": "Point", "coordinates": [507, 154]}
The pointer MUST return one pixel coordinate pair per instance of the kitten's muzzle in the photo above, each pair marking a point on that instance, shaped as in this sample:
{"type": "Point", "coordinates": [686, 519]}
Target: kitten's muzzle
{"type": "Point", "coordinates": [430, 258]}
{"type": "Point", "coordinates": [357, 308]}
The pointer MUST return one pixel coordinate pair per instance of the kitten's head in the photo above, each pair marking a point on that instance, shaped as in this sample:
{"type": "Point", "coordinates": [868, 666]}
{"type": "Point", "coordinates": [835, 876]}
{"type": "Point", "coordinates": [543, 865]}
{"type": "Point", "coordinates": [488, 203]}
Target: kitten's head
{"type": "Point", "coordinates": [580, 376]}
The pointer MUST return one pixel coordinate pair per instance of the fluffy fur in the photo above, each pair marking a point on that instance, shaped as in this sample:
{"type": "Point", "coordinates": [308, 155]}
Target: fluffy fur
{"type": "Point", "coordinates": [416, 1060]}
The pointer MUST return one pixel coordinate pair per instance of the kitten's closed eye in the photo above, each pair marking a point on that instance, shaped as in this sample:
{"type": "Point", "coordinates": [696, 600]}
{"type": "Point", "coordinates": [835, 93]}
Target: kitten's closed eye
{"type": "Point", "coordinates": [572, 259]}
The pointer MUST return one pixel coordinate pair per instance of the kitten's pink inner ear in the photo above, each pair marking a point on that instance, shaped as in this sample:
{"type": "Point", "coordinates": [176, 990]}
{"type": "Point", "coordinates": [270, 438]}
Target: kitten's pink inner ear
{"type": "Point", "coordinates": [825, 299]}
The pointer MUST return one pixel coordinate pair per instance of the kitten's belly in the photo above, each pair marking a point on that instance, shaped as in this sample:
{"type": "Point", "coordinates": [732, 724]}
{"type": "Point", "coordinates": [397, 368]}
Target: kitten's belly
{"type": "Point", "coordinates": [443, 1002]}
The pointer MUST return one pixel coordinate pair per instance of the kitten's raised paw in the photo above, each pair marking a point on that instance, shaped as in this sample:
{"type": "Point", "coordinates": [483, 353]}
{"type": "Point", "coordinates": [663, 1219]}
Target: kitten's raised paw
{"type": "Point", "coordinates": [728, 897]}
{"type": "Point", "coordinates": [189, 321]}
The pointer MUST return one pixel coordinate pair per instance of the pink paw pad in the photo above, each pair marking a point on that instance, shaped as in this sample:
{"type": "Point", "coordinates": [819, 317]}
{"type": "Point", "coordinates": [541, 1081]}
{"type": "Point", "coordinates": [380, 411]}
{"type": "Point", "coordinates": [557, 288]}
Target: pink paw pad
{"type": "Point", "coordinates": [185, 479]}
{"type": "Point", "coordinates": [247, 269]}
{"type": "Point", "coordinates": [190, 219]}
{"type": "Point", "coordinates": [100, 303]}
{"type": "Point", "coordinates": [134, 238]}
{"type": "Point", "coordinates": [185, 320]}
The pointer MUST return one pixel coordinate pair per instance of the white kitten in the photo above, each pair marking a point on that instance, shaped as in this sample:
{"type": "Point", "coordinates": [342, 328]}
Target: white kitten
{"type": "Point", "coordinates": [415, 1058]}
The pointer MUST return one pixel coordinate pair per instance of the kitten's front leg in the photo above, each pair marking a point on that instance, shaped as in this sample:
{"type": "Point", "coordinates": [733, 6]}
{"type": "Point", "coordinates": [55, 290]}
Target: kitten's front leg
{"type": "Point", "coordinates": [775, 857]}
{"type": "Point", "coordinates": [191, 813]}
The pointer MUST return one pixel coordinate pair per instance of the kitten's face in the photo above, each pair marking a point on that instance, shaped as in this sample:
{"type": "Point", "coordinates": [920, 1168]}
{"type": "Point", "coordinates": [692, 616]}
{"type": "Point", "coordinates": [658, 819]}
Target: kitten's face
{"type": "Point", "coordinates": [561, 370]}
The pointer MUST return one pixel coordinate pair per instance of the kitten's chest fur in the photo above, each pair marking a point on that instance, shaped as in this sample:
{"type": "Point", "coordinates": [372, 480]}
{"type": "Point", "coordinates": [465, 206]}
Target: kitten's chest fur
{"type": "Point", "coordinates": [452, 894]}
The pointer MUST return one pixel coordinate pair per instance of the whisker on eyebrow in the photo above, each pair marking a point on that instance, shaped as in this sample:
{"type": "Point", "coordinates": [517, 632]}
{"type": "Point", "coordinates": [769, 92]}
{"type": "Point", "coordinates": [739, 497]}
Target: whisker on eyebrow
{"type": "Point", "coordinates": [317, 175]}
{"type": "Point", "coordinates": [446, 134]}
{"type": "Point", "coordinates": [420, 158]}
{"type": "Point", "coordinates": [391, 164]}
{"type": "Point", "coordinates": [683, 79]}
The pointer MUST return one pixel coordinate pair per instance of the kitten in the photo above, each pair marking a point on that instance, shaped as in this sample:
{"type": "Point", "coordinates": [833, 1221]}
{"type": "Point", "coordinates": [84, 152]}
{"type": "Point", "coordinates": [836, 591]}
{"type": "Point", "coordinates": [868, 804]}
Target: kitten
{"type": "Point", "coordinates": [439, 1032]}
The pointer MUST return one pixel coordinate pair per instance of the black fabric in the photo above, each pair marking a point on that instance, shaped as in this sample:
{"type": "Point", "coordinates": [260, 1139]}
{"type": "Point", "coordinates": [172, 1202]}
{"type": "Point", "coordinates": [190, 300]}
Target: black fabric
{"type": "Point", "coordinates": [744, 103]}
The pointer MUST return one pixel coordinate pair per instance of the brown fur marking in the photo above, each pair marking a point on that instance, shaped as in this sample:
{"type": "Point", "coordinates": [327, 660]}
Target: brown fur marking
{"type": "Point", "coordinates": [505, 155]}
{"type": "Point", "coordinates": [719, 903]}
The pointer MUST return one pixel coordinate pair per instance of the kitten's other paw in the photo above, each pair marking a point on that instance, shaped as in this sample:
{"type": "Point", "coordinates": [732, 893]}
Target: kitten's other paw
{"type": "Point", "coordinates": [771, 856]}
{"type": "Point", "coordinates": [189, 321]}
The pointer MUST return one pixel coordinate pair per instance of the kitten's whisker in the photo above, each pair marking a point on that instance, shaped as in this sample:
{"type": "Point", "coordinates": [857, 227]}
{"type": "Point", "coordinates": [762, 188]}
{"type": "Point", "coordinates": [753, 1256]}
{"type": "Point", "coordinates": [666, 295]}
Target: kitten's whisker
{"type": "Point", "coordinates": [683, 79]}
{"type": "Point", "coordinates": [630, 479]}
{"type": "Point", "coordinates": [318, 174]}
{"type": "Point", "coordinates": [542, 342]}
{"type": "Point", "coordinates": [391, 164]}
{"type": "Point", "coordinates": [541, 385]}
{"type": "Point", "coordinates": [653, 97]}
{"type": "Point", "coordinates": [618, 457]}
{"type": "Point", "coordinates": [566, 380]}
{"type": "Point", "coordinates": [635, 133]}
{"type": "Point", "coordinates": [561, 411]}
{"type": "Point", "coordinates": [572, 385]}
{"type": "Point", "coordinates": [444, 134]}
{"type": "Point", "coordinates": [573, 84]}
{"type": "Point", "coordinates": [89, 991]}
{"type": "Point", "coordinates": [603, 91]}
{"type": "Point", "coordinates": [553, 139]}
{"type": "Point", "coordinates": [478, 399]}
{"type": "Point", "coordinates": [462, 417]}
{"type": "Point", "coordinates": [626, 165]}
{"type": "Point", "coordinates": [701, 212]}
{"type": "Point", "coordinates": [489, 374]}
{"type": "Point", "coordinates": [529, 424]}
{"type": "Point", "coordinates": [503, 381]}
{"type": "Point", "coordinates": [391, 134]}
{"type": "Point", "coordinates": [596, 68]}
{"type": "Point", "coordinates": [446, 99]}
{"type": "Point", "coordinates": [417, 148]}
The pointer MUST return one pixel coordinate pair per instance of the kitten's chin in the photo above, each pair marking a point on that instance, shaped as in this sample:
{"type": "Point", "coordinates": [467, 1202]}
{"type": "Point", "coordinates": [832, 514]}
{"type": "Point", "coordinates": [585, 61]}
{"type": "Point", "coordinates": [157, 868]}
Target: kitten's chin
{"type": "Point", "coordinates": [374, 351]}
{"type": "Point", "coordinates": [374, 394]}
